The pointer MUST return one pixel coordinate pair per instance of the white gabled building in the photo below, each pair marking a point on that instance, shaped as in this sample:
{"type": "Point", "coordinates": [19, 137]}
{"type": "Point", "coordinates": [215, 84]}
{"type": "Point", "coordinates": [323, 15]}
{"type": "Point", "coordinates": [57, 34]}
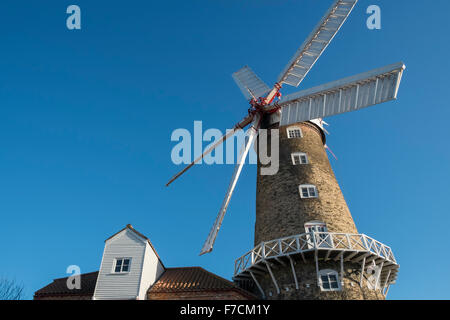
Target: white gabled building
{"type": "Point", "coordinates": [132, 270]}
{"type": "Point", "coordinates": [130, 265]}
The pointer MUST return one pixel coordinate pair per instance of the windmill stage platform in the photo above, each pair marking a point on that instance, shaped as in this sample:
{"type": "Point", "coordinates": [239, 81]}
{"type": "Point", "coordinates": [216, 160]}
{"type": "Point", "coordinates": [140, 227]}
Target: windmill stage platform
{"type": "Point", "coordinates": [319, 246]}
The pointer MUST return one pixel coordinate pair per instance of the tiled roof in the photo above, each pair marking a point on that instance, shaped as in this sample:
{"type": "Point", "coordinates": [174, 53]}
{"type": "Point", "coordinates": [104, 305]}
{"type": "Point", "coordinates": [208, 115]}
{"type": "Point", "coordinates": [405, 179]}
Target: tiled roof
{"type": "Point", "coordinates": [59, 287]}
{"type": "Point", "coordinates": [192, 279]}
{"type": "Point", "coordinates": [173, 280]}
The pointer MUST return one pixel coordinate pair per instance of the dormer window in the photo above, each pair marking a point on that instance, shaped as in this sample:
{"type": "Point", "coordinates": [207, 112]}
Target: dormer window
{"type": "Point", "coordinates": [308, 191]}
{"type": "Point", "coordinates": [122, 265]}
{"type": "Point", "coordinates": [294, 132]}
{"type": "Point", "coordinates": [299, 158]}
{"type": "Point", "coordinates": [329, 280]}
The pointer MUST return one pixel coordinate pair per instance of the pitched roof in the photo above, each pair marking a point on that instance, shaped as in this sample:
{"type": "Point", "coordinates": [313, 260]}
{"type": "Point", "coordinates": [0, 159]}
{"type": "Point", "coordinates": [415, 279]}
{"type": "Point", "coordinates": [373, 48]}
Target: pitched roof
{"type": "Point", "coordinates": [59, 287]}
{"type": "Point", "coordinates": [173, 280]}
{"type": "Point", "coordinates": [193, 279]}
{"type": "Point", "coordinates": [130, 227]}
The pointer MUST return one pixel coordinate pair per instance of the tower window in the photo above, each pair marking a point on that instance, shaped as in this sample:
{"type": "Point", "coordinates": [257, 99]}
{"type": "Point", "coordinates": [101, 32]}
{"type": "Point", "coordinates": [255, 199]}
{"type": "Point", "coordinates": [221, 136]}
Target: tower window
{"type": "Point", "coordinates": [316, 226]}
{"type": "Point", "coordinates": [329, 280]}
{"type": "Point", "coordinates": [294, 132]}
{"type": "Point", "coordinates": [122, 265]}
{"type": "Point", "coordinates": [308, 191]}
{"type": "Point", "coordinates": [299, 158]}
{"type": "Point", "coordinates": [322, 238]}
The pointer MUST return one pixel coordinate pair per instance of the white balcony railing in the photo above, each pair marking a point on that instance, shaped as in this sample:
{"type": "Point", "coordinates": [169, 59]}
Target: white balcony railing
{"type": "Point", "coordinates": [310, 242]}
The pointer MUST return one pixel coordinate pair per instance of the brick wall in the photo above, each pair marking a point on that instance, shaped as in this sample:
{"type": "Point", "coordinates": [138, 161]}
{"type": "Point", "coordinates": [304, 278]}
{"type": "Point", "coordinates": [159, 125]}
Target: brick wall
{"type": "Point", "coordinates": [197, 295]}
{"type": "Point", "coordinates": [280, 211]}
{"type": "Point", "coordinates": [308, 287]}
{"type": "Point", "coordinates": [66, 297]}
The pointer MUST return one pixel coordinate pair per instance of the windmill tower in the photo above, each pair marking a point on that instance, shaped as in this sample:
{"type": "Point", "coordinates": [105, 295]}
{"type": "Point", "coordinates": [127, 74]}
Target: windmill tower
{"type": "Point", "coordinates": [306, 243]}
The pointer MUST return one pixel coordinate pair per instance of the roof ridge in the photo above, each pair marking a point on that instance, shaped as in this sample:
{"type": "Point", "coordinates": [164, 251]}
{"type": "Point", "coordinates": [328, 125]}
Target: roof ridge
{"type": "Point", "coordinates": [130, 227]}
{"type": "Point", "coordinates": [219, 277]}
{"type": "Point", "coordinates": [171, 268]}
{"type": "Point", "coordinates": [208, 272]}
{"type": "Point", "coordinates": [81, 274]}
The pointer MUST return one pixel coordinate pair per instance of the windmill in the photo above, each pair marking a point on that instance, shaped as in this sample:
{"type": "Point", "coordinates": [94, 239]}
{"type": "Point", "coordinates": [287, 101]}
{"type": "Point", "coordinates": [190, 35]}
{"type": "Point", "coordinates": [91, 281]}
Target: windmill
{"type": "Point", "coordinates": [345, 95]}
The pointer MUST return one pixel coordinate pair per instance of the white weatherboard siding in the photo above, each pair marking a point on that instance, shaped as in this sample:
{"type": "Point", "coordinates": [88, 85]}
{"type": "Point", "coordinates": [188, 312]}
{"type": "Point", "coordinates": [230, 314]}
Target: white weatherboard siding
{"type": "Point", "coordinates": [145, 268]}
{"type": "Point", "coordinates": [151, 271]}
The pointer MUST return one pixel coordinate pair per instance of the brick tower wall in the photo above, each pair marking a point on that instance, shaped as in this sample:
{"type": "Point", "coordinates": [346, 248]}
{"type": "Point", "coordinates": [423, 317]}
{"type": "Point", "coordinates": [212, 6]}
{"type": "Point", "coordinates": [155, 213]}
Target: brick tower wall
{"type": "Point", "coordinates": [280, 211]}
{"type": "Point", "coordinates": [307, 281]}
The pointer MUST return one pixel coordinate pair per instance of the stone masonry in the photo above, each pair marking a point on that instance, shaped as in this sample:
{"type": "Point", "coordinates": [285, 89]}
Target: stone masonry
{"type": "Point", "coordinates": [308, 287]}
{"type": "Point", "coordinates": [281, 212]}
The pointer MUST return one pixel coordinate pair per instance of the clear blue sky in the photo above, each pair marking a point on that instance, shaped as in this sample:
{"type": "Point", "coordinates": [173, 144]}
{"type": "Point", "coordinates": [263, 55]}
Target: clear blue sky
{"type": "Point", "coordinates": [86, 118]}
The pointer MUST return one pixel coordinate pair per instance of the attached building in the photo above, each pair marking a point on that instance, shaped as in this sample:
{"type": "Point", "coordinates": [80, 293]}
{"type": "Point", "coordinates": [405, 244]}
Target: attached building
{"type": "Point", "coordinates": [131, 269]}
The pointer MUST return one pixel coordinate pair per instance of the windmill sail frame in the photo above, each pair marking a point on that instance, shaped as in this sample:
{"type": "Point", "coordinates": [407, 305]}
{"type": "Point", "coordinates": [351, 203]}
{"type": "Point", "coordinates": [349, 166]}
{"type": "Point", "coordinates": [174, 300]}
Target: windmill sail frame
{"type": "Point", "coordinates": [341, 96]}
{"type": "Point", "coordinates": [252, 87]}
{"type": "Point", "coordinates": [345, 95]}
{"type": "Point", "coordinates": [316, 43]}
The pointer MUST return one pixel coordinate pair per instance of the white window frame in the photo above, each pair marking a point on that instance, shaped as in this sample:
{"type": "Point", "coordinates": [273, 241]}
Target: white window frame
{"type": "Point", "coordinates": [320, 229]}
{"type": "Point", "coordinates": [121, 265]}
{"type": "Point", "coordinates": [292, 129]}
{"type": "Point", "coordinates": [316, 226]}
{"type": "Point", "coordinates": [327, 273]}
{"type": "Point", "coordinates": [309, 187]}
{"type": "Point", "coordinates": [300, 155]}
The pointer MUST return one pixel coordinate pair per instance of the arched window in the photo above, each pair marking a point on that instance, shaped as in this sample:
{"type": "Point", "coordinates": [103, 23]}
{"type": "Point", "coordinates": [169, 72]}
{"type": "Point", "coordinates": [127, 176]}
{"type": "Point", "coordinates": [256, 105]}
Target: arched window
{"type": "Point", "coordinates": [308, 191]}
{"type": "Point", "coordinates": [299, 158]}
{"type": "Point", "coordinates": [294, 132]}
{"type": "Point", "coordinates": [329, 280]}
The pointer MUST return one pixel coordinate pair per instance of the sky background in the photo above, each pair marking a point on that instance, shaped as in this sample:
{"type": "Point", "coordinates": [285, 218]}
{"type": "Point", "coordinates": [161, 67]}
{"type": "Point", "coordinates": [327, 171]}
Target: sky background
{"type": "Point", "coordinates": [86, 118]}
